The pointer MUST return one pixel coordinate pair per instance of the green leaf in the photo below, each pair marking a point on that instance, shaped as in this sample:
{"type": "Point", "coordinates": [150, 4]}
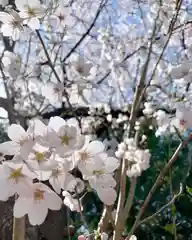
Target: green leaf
{"type": "Point", "coordinates": [170, 228]}
{"type": "Point", "coordinates": [189, 190]}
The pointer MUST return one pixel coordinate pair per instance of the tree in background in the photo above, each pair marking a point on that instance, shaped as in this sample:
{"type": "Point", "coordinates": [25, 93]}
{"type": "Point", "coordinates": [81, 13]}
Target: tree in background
{"type": "Point", "coordinates": [119, 73]}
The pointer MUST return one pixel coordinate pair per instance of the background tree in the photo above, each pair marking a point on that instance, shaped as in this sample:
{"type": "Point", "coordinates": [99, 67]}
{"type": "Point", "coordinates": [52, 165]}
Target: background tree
{"type": "Point", "coordinates": [122, 69]}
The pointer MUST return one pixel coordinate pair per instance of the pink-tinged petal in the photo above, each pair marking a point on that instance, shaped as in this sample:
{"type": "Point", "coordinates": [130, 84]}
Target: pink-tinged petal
{"type": "Point", "coordinates": [9, 148]}
{"type": "Point", "coordinates": [37, 213]}
{"type": "Point", "coordinates": [95, 147]}
{"type": "Point", "coordinates": [107, 195]}
{"type": "Point", "coordinates": [106, 181]}
{"type": "Point", "coordinates": [16, 132]}
{"type": "Point", "coordinates": [81, 237]}
{"type": "Point", "coordinates": [21, 207]}
{"type": "Point", "coordinates": [56, 122]}
{"type": "Point", "coordinates": [52, 201]}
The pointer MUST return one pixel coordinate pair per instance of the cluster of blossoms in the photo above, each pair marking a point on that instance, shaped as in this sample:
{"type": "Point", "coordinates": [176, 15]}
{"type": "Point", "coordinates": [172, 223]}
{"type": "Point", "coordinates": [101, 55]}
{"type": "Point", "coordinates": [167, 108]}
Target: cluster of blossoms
{"type": "Point", "coordinates": [49, 153]}
{"type": "Point", "coordinates": [137, 159]}
{"type": "Point", "coordinates": [169, 123]}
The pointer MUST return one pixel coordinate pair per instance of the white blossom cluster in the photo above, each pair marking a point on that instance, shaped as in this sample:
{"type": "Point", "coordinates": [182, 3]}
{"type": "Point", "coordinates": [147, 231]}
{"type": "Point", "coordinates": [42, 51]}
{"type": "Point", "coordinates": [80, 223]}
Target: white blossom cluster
{"type": "Point", "coordinates": [137, 159]}
{"type": "Point", "coordinates": [49, 153]}
{"type": "Point", "coordinates": [181, 121]}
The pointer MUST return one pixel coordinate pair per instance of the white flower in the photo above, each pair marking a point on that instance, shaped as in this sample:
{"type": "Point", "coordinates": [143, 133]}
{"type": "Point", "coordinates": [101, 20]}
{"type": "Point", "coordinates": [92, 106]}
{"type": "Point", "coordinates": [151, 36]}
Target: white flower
{"type": "Point", "coordinates": [35, 202]}
{"type": "Point", "coordinates": [21, 139]}
{"type": "Point", "coordinates": [12, 24]}
{"type": "Point", "coordinates": [12, 63]}
{"type": "Point", "coordinates": [53, 92]}
{"type": "Point", "coordinates": [99, 172]}
{"type": "Point", "coordinates": [31, 12]}
{"type": "Point", "coordinates": [88, 153]}
{"type": "Point", "coordinates": [71, 202]}
{"type": "Point", "coordinates": [61, 17]}
{"type": "Point", "coordinates": [138, 161]}
{"type": "Point", "coordinates": [68, 137]}
{"type": "Point", "coordinates": [14, 178]}
{"type": "Point", "coordinates": [58, 177]}
{"type": "Point", "coordinates": [133, 237]}
{"type": "Point", "coordinates": [39, 157]}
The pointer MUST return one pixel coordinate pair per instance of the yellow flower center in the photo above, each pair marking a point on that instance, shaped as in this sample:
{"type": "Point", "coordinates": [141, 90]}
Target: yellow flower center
{"type": "Point", "coordinates": [38, 194]}
{"type": "Point", "coordinates": [39, 156]}
{"type": "Point", "coordinates": [66, 139]}
{"type": "Point", "coordinates": [15, 174]}
{"type": "Point", "coordinates": [31, 12]}
{"type": "Point", "coordinates": [98, 172]}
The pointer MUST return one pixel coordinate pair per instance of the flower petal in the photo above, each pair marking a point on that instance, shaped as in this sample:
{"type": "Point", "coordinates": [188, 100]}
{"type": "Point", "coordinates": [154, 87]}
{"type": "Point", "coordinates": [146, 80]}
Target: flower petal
{"type": "Point", "coordinates": [21, 207]}
{"type": "Point", "coordinates": [37, 213]}
{"type": "Point", "coordinates": [56, 122]}
{"type": "Point", "coordinates": [9, 148]}
{"type": "Point", "coordinates": [52, 200]}
{"type": "Point", "coordinates": [111, 164]}
{"type": "Point", "coordinates": [16, 132]}
{"type": "Point", "coordinates": [95, 147]}
{"type": "Point", "coordinates": [54, 181]}
{"type": "Point", "coordinates": [107, 195]}
{"type": "Point", "coordinates": [34, 23]}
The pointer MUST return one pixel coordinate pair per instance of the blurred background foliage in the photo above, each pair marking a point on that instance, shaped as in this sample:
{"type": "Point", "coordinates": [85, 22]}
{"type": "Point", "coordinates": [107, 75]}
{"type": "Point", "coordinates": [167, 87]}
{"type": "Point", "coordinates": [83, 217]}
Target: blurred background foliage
{"type": "Point", "coordinates": [175, 221]}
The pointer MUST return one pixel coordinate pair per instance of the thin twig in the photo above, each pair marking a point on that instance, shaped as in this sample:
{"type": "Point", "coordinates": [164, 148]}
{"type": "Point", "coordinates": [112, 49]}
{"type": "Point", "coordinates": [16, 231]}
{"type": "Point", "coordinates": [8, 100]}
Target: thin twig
{"type": "Point", "coordinates": [130, 198]}
{"type": "Point", "coordinates": [162, 208]}
{"type": "Point", "coordinates": [57, 76]}
{"type": "Point", "coordinates": [157, 183]}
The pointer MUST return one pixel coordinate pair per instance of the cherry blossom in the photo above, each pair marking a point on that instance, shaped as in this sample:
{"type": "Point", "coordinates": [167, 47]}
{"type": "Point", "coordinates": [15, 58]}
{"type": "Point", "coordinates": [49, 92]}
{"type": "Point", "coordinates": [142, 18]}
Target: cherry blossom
{"type": "Point", "coordinates": [31, 12]}
{"type": "Point", "coordinates": [12, 24]}
{"type": "Point", "coordinates": [20, 140]}
{"type": "Point", "coordinates": [12, 63]}
{"type": "Point", "coordinates": [88, 153]}
{"type": "Point", "coordinates": [15, 178]}
{"type": "Point", "coordinates": [35, 203]}
{"type": "Point", "coordinates": [68, 138]}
